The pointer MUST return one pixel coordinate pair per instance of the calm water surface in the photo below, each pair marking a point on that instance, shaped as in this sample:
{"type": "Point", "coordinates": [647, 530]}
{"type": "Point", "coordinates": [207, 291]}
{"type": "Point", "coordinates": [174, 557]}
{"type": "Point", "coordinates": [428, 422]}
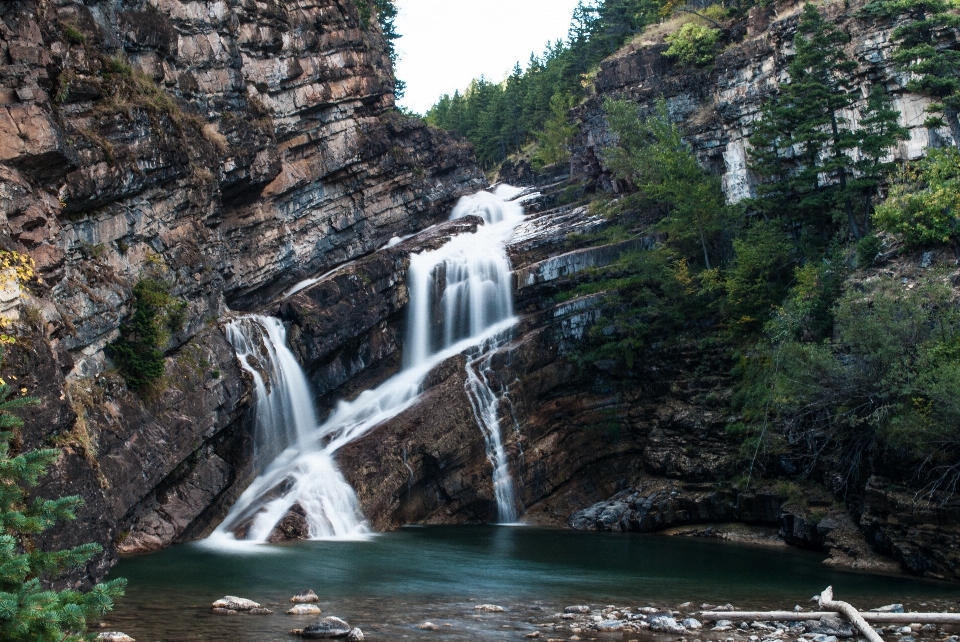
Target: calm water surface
{"type": "Point", "coordinates": [393, 582]}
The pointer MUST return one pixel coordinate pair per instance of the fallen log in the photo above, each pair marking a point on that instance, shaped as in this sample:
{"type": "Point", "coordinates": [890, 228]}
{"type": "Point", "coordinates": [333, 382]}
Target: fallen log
{"type": "Point", "coordinates": [827, 602]}
{"type": "Point", "coordinates": [802, 616]}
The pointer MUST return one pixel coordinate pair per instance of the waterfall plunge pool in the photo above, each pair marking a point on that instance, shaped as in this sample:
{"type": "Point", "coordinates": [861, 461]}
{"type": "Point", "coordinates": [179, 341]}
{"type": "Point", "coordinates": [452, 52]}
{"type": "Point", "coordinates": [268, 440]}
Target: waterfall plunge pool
{"type": "Point", "coordinates": [395, 581]}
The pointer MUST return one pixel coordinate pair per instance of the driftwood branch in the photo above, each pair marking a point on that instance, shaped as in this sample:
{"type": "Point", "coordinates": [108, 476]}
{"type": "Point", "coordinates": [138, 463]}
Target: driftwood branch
{"type": "Point", "coordinates": [802, 616]}
{"type": "Point", "coordinates": [827, 602]}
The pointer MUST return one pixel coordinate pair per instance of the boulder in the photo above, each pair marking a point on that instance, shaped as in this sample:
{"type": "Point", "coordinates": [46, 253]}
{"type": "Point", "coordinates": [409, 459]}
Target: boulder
{"type": "Point", "coordinates": [233, 603]}
{"type": "Point", "coordinates": [666, 624]}
{"type": "Point", "coordinates": [304, 609]}
{"type": "Point", "coordinates": [328, 627]}
{"type": "Point", "coordinates": [692, 623]}
{"type": "Point", "coordinates": [488, 608]}
{"type": "Point", "coordinates": [830, 625]}
{"type": "Point", "coordinates": [305, 597]}
{"type": "Point", "coordinates": [292, 527]}
{"type": "Point", "coordinates": [608, 626]}
{"type": "Point", "coordinates": [355, 635]}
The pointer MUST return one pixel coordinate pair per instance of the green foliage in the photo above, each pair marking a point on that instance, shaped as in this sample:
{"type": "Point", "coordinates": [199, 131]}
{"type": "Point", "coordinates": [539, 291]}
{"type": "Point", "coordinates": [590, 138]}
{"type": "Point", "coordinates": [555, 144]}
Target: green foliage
{"type": "Point", "coordinates": [73, 35]}
{"type": "Point", "coordinates": [651, 154]}
{"type": "Point", "coordinates": [924, 202]}
{"type": "Point", "coordinates": [867, 250]}
{"type": "Point", "coordinates": [693, 44]}
{"type": "Point", "coordinates": [758, 278]}
{"type": "Point", "coordinates": [28, 611]}
{"type": "Point", "coordinates": [501, 118]}
{"type": "Point", "coordinates": [554, 140]}
{"type": "Point", "coordinates": [934, 63]}
{"type": "Point", "coordinates": [139, 351]}
{"type": "Point", "coordinates": [888, 382]}
{"type": "Point", "coordinates": [803, 135]}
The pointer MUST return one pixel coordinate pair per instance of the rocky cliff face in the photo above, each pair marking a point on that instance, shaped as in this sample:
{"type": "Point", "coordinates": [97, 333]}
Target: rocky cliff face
{"type": "Point", "coordinates": [717, 106]}
{"type": "Point", "coordinates": [228, 147]}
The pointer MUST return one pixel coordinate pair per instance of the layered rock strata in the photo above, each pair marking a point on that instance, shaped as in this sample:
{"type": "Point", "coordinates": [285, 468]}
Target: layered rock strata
{"type": "Point", "coordinates": [228, 149]}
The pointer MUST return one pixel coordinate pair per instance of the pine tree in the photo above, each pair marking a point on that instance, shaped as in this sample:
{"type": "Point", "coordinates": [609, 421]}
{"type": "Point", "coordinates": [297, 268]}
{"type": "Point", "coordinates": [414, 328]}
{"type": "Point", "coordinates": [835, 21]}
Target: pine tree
{"type": "Point", "coordinates": [803, 136]}
{"type": "Point", "coordinates": [879, 130]}
{"type": "Point", "coordinates": [653, 156]}
{"type": "Point", "coordinates": [28, 611]}
{"type": "Point", "coordinates": [928, 51]}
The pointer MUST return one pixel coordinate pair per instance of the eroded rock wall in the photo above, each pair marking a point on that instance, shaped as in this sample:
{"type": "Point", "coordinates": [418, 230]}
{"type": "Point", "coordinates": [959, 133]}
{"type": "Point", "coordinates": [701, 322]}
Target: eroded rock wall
{"type": "Point", "coordinates": [717, 106]}
{"type": "Point", "coordinates": [228, 147]}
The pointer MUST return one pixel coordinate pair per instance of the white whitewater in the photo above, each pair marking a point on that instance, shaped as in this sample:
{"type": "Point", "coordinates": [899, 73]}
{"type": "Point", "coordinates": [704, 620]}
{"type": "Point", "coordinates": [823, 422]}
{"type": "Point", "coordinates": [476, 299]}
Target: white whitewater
{"type": "Point", "coordinates": [460, 300]}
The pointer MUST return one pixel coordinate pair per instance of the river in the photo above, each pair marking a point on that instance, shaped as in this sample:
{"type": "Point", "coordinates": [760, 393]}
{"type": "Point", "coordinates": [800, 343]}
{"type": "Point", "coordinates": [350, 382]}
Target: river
{"type": "Point", "coordinates": [392, 582]}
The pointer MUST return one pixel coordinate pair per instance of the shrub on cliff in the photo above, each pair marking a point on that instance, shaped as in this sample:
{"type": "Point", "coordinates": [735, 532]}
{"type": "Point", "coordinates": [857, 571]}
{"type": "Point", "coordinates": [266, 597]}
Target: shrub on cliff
{"type": "Point", "coordinates": [29, 612]}
{"type": "Point", "coordinates": [924, 202]}
{"type": "Point", "coordinates": [693, 44]}
{"type": "Point", "coordinates": [138, 353]}
{"type": "Point", "coordinates": [885, 386]}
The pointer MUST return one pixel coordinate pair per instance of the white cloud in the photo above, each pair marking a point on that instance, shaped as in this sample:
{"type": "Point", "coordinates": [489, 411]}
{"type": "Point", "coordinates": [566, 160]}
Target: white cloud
{"type": "Point", "coordinates": [447, 43]}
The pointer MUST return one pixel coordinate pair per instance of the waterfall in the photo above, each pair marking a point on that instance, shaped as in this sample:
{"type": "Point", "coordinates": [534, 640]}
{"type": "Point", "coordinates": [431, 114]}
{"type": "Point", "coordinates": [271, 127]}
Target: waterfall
{"type": "Point", "coordinates": [485, 403]}
{"type": "Point", "coordinates": [460, 301]}
{"type": "Point", "coordinates": [284, 412]}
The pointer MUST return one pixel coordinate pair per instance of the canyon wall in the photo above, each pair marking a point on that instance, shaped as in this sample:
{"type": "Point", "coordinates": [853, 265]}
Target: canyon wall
{"type": "Point", "coordinates": [226, 148]}
{"type": "Point", "coordinates": [717, 105]}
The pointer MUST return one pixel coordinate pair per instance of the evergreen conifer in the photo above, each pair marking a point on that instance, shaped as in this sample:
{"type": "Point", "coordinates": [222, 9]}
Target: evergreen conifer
{"type": "Point", "coordinates": [29, 611]}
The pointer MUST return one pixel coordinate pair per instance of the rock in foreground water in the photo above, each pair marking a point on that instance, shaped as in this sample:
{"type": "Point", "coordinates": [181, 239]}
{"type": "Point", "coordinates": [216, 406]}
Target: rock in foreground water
{"type": "Point", "coordinates": [328, 627]}
{"type": "Point", "coordinates": [355, 635]}
{"type": "Point", "coordinates": [578, 608]}
{"type": "Point", "coordinates": [233, 603]}
{"type": "Point", "coordinates": [115, 636]}
{"type": "Point", "coordinates": [305, 597]}
{"type": "Point", "coordinates": [488, 608]}
{"type": "Point", "coordinates": [304, 609]}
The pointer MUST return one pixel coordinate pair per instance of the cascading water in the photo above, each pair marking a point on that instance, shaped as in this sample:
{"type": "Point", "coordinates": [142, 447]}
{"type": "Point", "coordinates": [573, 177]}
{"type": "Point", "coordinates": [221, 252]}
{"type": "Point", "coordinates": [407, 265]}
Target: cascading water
{"type": "Point", "coordinates": [460, 301]}
{"type": "Point", "coordinates": [485, 403]}
{"type": "Point", "coordinates": [284, 413]}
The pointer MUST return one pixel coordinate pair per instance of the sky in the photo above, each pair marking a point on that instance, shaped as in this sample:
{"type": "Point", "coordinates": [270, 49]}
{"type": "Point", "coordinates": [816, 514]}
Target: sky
{"type": "Point", "coordinates": [447, 43]}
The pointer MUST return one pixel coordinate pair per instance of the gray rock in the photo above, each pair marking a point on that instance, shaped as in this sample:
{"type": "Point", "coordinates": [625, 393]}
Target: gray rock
{"type": "Point", "coordinates": [832, 626]}
{"type": "Point", "coordinates": [304, 609]}
{"type": "Point", "coordinates": [355, 635]}
{"type": "Point", "coordinates": [824, 638]}
{"type": "Point", "coordinates": [115, 636]}
{"type": "Point", "coordinates": [305, 597]}
{"type": "Point", "coordinates": [233, 603]}
{"type": "Point", "coordinates": [692, 623]}
{"type": "Point", "coordinates": [428, 626]}
{"type": "Point", "coordinates": [889, 608]}
{"type": "Point", "coordinates": [907, 638]}
{"type": "Point", "coordinates": [221, 611]}
{"type": "Point", "coordinates": [328, 627]}
{"type": "Point", "coordinates": [488, 608]}
{"type": "Point", "coordinates": [580, 608]}
{"type": "Point", "coordinates": [666, 624]}
{"type": "Point", "coordinates": [609, 626]}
